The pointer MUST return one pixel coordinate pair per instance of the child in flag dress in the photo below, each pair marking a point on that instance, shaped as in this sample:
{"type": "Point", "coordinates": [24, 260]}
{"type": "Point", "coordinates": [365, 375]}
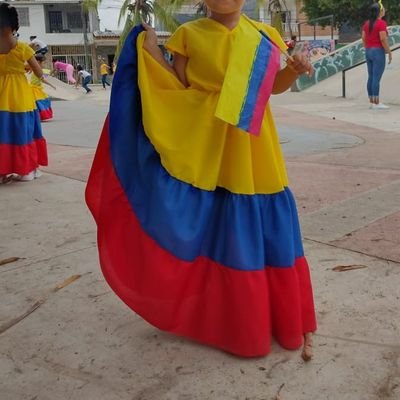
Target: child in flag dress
{"type": "Point", "coordinates": [22, 146]}
{"type": "Point", "coordinates": [197, 229]}
{"type": "Point", "coordinates": [43, 101]}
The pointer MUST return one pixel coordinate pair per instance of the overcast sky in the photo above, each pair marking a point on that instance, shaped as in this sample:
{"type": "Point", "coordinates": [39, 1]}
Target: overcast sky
{"type": "Point", "coordinates": [108, 13]}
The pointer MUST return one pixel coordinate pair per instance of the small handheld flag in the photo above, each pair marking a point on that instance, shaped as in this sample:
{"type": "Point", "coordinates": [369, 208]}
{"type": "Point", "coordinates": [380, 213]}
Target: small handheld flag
{"type": "Point", "coordinates": [253, 64]}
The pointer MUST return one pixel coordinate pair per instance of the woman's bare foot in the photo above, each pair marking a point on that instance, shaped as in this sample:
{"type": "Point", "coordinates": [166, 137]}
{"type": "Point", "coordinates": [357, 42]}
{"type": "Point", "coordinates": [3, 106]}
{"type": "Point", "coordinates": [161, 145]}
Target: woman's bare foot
{"type": "Point", "coordinates": [307, 353]}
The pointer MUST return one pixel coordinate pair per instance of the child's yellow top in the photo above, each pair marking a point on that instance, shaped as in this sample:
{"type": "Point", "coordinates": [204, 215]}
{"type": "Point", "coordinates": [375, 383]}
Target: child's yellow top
{"type": "Point", "coordinates": [15, 92]}
{"type": "Point", "coordinates": [194, 145]}
{"type": "Point", "coordinates": [14, 61]}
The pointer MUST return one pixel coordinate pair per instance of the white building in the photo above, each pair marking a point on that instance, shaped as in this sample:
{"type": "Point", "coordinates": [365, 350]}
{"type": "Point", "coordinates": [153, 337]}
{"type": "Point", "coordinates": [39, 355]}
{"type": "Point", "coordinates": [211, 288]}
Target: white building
{"type": "Point", "coordinates": [64, 26]}
{"type": "Point", "coordinates": [294, 21]}
{"type": "Point", "coordinates": [74, 36]}
{"type": "Point", "coordinates": [56, 22]}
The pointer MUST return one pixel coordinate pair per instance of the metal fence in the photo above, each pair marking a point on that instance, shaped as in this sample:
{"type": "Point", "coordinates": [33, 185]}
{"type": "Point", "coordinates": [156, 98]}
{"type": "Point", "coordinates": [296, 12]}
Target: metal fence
{"type": "Point", "coordinates": [74, 55]}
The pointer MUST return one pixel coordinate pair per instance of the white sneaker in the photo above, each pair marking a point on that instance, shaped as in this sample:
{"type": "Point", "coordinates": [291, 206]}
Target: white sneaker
{"type": "Point", "coordinates": [371, 106]}
{"type": "Point", "coordinates": [26, 178]}
{"type": "Point", "coordinates": [380, 106]}
{"type": "Point", "coordinates": [30, 177]}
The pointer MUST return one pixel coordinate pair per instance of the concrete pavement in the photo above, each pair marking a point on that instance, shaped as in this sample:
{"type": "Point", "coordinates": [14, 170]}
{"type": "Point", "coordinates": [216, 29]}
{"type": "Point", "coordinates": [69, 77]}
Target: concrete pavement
{"type": "Point", "coordinates": [356, 82]}
{"type": "Point", "coordinates": [81, 342]}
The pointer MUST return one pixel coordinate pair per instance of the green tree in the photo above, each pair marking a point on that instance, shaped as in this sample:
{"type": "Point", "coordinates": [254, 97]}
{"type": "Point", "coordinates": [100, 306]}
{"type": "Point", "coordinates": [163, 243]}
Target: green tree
{"type": "Point", "coordinates": [201, 8]}
{"type": "Point", "coordinates": [353, 12]}
{"type": "Point", "coordinates": [136, 11]}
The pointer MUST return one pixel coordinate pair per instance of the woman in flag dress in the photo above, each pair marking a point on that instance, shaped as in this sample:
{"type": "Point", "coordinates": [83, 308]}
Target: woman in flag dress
{"type": "Point", "coordinates": [197, 229]}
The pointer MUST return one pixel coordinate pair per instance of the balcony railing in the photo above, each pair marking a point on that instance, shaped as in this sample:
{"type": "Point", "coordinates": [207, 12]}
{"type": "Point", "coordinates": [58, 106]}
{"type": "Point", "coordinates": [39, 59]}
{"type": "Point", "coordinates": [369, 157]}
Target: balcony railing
{"type": "Point", "coordinates": [64, 19]}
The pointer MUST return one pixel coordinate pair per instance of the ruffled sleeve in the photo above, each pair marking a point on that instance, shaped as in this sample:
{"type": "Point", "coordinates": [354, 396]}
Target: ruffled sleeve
{"type": "Point", "coordinates": [178, 42]}
{"type": "Point", "coordinates": [27, 51]}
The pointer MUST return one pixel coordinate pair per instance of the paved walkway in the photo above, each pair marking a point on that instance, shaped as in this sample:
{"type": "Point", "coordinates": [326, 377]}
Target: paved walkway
{"type": "Point", "coordinates": [356, 83]}
{"type": "Point", "coordinates": [65, 335]}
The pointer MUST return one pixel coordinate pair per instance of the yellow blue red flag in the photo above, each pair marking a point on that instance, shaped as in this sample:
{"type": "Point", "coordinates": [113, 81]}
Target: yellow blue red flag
{"type": "Point", "coordinates": [253, 64]}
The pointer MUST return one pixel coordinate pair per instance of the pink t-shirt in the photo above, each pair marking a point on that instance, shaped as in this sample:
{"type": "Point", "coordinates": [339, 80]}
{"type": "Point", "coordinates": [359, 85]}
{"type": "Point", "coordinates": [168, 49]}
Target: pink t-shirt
{"type": "Point", "coordinates": [372, 38]}
{"type": "Point", "coordinates": [61, 66]}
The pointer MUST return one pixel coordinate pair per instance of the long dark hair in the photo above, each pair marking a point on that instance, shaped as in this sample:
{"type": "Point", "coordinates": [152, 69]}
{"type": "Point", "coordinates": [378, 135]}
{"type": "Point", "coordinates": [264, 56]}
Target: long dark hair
{"type": "Point", "coordinates": [374, 12]}
{"type": "Point", "coordinates": [8, 17]}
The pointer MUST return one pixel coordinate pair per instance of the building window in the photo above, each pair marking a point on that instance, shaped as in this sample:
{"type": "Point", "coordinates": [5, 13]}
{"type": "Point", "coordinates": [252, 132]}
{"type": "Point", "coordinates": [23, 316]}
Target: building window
{"type": "Point", "coordinates": [55, 21]}
{"type": "Point", "coordinates": [74, 20]}
{"type": "Point", "coordinates": [23, 16]}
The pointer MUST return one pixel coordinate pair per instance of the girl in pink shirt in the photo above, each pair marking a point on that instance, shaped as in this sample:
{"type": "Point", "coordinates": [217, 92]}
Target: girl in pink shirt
{"type": "Point", "coordinates": [65, 67]}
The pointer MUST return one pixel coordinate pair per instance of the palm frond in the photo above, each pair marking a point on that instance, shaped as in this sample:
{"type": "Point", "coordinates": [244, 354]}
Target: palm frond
{"type": "Point", "coordinates": [166, 16]}
{"type": "Point", "coordinates": [145, 11]}
{"type": "Point", "coordinates": [284, 5]}
{"type": "Point", "coordinates": [274, 6]}
{"type": "Point", "coordinates": [129, 24]}
{"type": "Point", "coordinates": [201, 8]}
{"type": "Point", "coordinates": [89, 5]}
{"type": "Point", "coordinates": [259, 4]}
{"type": "Point", "coordinates": [123, 10]}
{"type": "Point", "coordinates": [173, 4]}
{"type": "Point", "coordinates": [138, 11]}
